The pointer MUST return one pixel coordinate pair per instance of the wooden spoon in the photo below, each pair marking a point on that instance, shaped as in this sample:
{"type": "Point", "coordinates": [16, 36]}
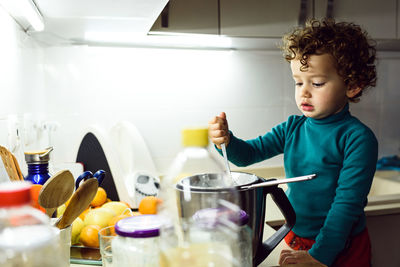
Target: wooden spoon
{"type": "Point", "coordinates": [9, 164]}
{"type": "Point", "coordinates": [56, 191]}
{"type": "Point", "coordinates": [80, 200]}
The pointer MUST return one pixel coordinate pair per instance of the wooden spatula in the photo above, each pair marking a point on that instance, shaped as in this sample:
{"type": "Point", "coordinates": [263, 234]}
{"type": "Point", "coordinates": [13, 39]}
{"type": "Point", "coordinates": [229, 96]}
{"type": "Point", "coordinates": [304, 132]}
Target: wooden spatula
{"type": "Point", "coordinates": [56, 191]}
{"type": "Point", "coordinates": [9, 164]}
{"type": "Point", "coordinates": [80, 200]}
{"type": "Point", "coordinates": [21, 177]}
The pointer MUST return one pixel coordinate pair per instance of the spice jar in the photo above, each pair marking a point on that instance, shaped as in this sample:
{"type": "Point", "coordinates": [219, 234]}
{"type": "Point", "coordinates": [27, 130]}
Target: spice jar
{"type": "Point", "coordinates": [137, 241]}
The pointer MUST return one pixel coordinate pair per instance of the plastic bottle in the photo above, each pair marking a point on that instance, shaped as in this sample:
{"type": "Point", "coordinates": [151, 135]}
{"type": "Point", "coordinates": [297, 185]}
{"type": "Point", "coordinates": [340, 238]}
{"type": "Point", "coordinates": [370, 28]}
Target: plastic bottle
{"type": "Point", "coordinates": [26, 236]}
{"type": "Point", "coordinates": [193, 159]}
{"type": "Point", "coordinates": [178, 248]}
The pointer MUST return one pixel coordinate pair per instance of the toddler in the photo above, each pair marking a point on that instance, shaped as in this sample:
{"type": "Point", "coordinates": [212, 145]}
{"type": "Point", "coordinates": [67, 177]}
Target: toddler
{"type": "Point", "coordinates": [332, 64]}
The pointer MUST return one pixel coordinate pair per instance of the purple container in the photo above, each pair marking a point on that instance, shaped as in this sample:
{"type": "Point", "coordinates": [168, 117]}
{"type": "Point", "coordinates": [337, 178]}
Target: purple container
{"type": "Point", "coordinates": [212, 216]}
{"type": "Point", "coordinates": [141, 226]}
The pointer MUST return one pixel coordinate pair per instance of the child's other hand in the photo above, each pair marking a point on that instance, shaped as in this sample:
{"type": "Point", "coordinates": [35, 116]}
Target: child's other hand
{"type": "Point", "coordinates": [218, 130]}
{"type": "Point", "coordinates": [298, 257]}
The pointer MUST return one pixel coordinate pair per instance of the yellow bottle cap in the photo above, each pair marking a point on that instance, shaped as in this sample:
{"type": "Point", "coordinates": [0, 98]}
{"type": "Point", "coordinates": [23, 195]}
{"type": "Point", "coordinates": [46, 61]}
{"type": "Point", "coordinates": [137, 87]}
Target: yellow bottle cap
{"type": "Point", "coordinates": [195, 137]}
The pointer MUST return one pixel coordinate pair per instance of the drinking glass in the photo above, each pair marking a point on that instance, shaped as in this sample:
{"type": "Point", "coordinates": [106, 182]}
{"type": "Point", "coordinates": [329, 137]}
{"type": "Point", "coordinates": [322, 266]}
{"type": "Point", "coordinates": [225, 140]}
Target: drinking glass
{"type": "Point", "coordinates": [105, 237]}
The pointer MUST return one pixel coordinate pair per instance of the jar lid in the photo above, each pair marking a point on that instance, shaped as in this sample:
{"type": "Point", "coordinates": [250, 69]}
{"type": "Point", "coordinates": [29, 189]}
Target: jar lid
{"type": "Point", "coordinates": [15, 193]}
{"type": "Point", "coordinates": [210, 216]}
{"type": "Point", "coordinates": [139, 226]}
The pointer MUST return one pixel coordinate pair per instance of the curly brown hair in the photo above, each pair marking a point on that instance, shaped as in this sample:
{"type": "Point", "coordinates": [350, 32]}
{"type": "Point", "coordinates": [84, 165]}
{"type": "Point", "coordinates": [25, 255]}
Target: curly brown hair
{"type": "Point", "coordinates": [350, 46]}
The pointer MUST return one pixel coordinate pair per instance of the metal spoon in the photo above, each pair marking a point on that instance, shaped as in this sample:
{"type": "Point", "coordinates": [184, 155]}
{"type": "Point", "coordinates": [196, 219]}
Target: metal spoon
{"type": "Point", "coordinates": [228, 169]}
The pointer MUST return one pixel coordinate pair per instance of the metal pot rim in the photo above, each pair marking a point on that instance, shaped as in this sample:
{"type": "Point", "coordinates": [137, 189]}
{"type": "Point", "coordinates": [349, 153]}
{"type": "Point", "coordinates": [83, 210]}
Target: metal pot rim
{"type": "Point", "coordinates": [179, 186]}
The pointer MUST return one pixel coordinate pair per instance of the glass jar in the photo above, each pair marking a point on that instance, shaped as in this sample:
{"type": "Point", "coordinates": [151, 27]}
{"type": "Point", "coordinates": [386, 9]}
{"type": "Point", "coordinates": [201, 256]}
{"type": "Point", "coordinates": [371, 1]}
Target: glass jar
{"type": "Point", "coordinates": [210, 240]}
{"type": "Point", "coordinates": [26, 236]}
{"type": "Point", "coordinates": [207, 220]}
{"type": "Point", "coordinates": [137, 241]}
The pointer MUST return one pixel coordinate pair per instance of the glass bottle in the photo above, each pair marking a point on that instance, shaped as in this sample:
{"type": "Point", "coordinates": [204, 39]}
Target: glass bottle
{"type": "Point", "coordinates": [26, 236]}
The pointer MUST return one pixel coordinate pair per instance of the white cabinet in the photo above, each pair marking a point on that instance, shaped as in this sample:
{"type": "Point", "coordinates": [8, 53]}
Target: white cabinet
{"type": "Point", "coordinates": [260, 18]}
{"type": "Point", "coordinates": [377, 17]}
{"type": "Point", "coordinates": [189, 16]}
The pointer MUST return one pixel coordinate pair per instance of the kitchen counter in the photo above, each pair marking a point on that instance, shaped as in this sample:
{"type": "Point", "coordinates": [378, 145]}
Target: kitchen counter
{"type": "Point", "coordinates": [270, 261]}
{"type": "Point", "coordinates": [383, 199]}
{"type": "Point", "coordinates": [383, 204]}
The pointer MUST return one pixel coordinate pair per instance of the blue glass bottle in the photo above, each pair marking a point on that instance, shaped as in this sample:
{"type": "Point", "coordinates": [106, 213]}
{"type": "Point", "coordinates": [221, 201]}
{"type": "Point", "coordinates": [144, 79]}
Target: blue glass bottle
{"type": "Point", "coordinates": [38, 166]}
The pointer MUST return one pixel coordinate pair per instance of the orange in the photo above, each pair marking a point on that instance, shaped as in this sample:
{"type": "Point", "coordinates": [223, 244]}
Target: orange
{"type": "Point", "coordinates": [90, 235]}
{"type": "Point", "coordinates": [35, 190]}
{"type": "Point", "coordinates": [148, 205]}
{"type": "Point", "coordinates": [100, 198]}
{"type": "Point", "coordinates": [115, 219]}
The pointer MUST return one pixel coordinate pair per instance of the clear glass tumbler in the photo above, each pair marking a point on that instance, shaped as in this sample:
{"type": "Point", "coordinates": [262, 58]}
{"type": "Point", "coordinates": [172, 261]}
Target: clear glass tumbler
{"type": "Point", "coordinates": [106, 235]}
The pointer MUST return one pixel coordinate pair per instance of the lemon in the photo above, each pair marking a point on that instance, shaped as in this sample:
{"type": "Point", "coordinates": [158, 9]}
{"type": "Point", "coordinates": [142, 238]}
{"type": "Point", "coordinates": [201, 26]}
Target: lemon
{"type": "Point", "coordinates": [77, 226]}
{"type": "Point", "coordinates": [100, 216]}
{"type": "Point", "coordinates": [118, 207]}
{"type": "Point", "coordinates": [60, 210]}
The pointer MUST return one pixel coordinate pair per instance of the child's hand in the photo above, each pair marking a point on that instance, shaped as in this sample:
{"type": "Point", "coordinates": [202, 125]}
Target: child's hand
{"type": "Point", "coordinates": [298, 257]}
{"type": "Point", "coordinates": [218, 130]}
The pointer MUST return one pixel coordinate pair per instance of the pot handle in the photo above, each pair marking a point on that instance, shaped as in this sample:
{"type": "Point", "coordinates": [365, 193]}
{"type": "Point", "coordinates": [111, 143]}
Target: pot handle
{"type": "Point", "coordinates": [280, 198]}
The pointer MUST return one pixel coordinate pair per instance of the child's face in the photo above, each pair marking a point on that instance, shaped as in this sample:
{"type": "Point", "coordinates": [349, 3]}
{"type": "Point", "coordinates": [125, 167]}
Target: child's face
{"type": "Point", "coordinates": [320, 91]}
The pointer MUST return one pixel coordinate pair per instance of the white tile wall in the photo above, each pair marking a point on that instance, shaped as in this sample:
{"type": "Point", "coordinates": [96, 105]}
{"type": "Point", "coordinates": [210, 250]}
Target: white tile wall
{"type": "Point", "coordinates": [163, 90]}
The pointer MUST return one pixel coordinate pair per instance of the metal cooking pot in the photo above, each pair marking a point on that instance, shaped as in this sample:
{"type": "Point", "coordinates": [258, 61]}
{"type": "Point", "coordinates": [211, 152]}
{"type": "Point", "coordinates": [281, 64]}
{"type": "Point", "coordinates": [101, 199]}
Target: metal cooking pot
{"type": "Point", "coordinates": [205, 189]}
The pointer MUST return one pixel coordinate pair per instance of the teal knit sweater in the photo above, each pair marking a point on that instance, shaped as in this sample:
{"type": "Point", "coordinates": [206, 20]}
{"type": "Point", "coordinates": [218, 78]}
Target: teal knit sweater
{"type": "Point", "coordinates": [342, 152]}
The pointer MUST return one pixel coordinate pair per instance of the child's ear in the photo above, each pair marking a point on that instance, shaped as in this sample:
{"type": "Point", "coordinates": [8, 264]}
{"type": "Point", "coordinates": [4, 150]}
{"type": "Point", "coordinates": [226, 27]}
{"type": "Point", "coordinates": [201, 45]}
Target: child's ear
{"type": "Point", "coordinates": [352, 92]}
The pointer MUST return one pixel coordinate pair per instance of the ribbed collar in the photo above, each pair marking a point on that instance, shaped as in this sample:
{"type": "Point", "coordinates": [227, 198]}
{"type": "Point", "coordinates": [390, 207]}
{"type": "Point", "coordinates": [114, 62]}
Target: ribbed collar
{"type": "Point", "coordinates": [332, 118]}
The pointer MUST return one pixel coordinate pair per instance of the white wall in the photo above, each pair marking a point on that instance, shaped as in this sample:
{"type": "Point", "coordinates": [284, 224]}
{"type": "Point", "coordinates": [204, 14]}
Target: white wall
{"type": "Point", "coordinates": [21, 79]}
{"type": "Point", "coordinates": [163, 90]}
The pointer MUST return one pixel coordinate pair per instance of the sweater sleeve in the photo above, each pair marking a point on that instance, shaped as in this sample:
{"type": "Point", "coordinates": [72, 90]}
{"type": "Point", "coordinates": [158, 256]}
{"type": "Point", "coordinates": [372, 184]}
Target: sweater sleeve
{"type": "Point", "coordinates": [244, 153]}
{"type": "Point", "coordinates": [354, 183]}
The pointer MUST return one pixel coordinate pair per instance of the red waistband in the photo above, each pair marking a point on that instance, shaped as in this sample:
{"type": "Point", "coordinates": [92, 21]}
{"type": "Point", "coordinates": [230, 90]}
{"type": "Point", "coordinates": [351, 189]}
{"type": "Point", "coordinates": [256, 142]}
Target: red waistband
{"type": "Point", "coordinates": [356, 254]}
